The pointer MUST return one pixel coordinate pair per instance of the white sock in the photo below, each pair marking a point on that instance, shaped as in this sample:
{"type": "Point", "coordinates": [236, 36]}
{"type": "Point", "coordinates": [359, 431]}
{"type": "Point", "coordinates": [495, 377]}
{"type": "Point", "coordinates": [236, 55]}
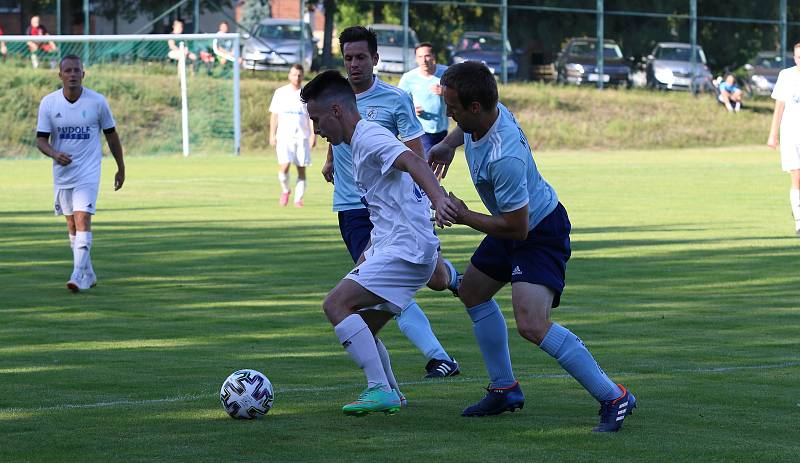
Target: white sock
{"type": "Point", "coordinates": [284, 179]}
{"type": "Point", "coordinates": [80, 253]}
{"type": "Point", "coordinates": [72, 241]}
{"type": "Point", "coordinates": [299, 190]}
{"type": "Point", "coordinates": [738, 106]}
{"type": "Point", "coordinates": [357, 340]}
{"type": "Point", "coordinates": [794, 200]}
{"type": "Point", "coordinates": [387, 364]}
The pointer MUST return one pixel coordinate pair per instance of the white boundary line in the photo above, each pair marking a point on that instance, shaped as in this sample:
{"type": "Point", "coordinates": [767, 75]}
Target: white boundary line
{"type": "Point", "coordinates": [190, 397]}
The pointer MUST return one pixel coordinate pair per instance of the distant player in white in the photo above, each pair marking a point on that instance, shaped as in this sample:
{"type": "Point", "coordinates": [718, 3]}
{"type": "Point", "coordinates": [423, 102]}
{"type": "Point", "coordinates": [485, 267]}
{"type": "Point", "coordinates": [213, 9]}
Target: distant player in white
{"type": "Point", "coordinates": [402, 254]}
{"type": "Point", "coordinates": [68, 130]}
{"type": "Point", "coordinates": [291, 133]}
{"type": "Point", "coordinates": [787, 117]}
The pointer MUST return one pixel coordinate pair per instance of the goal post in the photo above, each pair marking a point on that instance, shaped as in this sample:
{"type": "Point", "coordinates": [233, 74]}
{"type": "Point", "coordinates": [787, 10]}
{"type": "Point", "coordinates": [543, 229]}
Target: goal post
{"type": "Point", "coordinates": [135, 69]}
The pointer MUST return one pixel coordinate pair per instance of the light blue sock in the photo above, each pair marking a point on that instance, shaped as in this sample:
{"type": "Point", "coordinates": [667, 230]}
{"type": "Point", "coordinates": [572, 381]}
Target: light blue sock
{"type": "Point", "coordinates": [415, 325]}
{"type": "Point", "coordinates": [573, 356]}
{"type": "Point", "coordinates": [491, 332]}
{"type": "Point", "coordinates": [452, 285]}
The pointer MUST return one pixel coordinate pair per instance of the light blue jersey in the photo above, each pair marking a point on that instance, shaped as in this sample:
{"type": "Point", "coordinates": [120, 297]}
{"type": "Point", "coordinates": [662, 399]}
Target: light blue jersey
{"type": "Point", "coordinates": [502, 168]}
{"type": "Point", "coordinates": [434, 111]}
{"type": "Point", "coordinates": [388, 106]}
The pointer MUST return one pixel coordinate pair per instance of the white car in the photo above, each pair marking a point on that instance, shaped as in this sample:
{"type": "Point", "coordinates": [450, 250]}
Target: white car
{"type": "Point", "coordinates": [390, 48]}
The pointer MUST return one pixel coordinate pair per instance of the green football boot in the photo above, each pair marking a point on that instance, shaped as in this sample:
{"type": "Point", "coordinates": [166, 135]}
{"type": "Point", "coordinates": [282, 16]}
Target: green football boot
{"type": "Point", "coordinates": [372, 400]}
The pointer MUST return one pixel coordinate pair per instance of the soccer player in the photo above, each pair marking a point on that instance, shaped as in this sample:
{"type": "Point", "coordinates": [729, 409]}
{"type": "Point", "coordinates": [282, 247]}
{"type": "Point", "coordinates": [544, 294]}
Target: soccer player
{"type": "Point", "coordinates": [527, 244]}
{"type": "Point", "coordinates": [402, 254]}
{"type": "Point", "coordinates": [392, 108]}
{"type": "Point", "coordinates": [422, 83]}
{"type": "Point", "coordinates": [68, 130]}
{"type": "Point", "coordinates": [291, 133]}
{"type": "Point", "coordinates": [787, 117]}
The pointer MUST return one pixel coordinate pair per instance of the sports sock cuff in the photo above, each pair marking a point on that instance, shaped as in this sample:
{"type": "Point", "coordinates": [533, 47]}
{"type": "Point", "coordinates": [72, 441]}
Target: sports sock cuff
{"type": "Point", "coordinates": [349, 327]}
{"type": "Point", "coordinates": [481, 311]}
{"type": "Point", "coordinates": [83, 239]}
{"type": "Point", "coordinates": [554, 339]}
{"type": "Point", "coordinates": [453, 274]}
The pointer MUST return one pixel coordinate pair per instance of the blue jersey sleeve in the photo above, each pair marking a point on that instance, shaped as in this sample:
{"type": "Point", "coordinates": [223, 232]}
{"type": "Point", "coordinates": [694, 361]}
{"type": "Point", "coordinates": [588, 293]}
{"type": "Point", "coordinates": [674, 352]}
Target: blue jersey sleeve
{"type": "Point", "coordinates": [408, 126]}
{"type": "Point", "coordinates": [510, 183]}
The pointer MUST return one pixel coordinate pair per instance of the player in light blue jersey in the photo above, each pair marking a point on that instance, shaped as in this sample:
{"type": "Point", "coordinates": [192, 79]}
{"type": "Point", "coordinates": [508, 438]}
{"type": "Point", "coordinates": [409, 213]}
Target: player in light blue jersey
{"type": "Point", "coordinates": [527, 245]}
{"type": "Point", "coordinates": [422, 83]}
{"type": "Point", "coordinates": [392, 108]}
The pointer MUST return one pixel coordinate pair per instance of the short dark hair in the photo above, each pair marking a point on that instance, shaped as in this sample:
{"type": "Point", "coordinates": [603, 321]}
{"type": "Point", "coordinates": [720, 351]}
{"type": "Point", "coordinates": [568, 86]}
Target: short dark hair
{"type": "Point", "coordinates": [68, 57]}
{"type": "Point", "coordinates": [327, 84]}
{"type": "Point", "coordinates": [359, 34]}
{"type": "Point", "coordinates": [424, 44]}
{"type": "Point", "coordinates": [472, 81]}
{"type": "Point", "coordinates": [299, 67]}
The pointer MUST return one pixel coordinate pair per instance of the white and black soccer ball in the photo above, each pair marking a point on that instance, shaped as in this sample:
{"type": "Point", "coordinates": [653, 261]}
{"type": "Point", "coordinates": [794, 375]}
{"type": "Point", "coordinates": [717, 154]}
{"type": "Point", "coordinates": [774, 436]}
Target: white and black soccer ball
{"type": "Point", "coordinates": [246, 394]}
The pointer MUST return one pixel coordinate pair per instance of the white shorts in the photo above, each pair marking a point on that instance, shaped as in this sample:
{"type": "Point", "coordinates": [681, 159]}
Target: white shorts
{"type": "Point", "coordinates": [790, 155]}
{"type": "Point", "coordinates": [82, 198]}
{"type": "Point", "coordinates": [391, 278]}
{"type": "Point", "coordinates": [296, 151]}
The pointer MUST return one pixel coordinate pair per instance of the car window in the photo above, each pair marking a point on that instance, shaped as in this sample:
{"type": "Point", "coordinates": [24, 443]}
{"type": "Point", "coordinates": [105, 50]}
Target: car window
{"type": "Point", "coordinates": [394, 38]}
{"type": "Point", "coordinates": [280, 31]}
{"type": "Point", "coordinates": [482, 43]}
{"type": "Point", "coordinates": [679, 54]}
{"type": "Point", "coordinates": [589, 49]}
{"type": "Point", "coordinates": [771, 62]}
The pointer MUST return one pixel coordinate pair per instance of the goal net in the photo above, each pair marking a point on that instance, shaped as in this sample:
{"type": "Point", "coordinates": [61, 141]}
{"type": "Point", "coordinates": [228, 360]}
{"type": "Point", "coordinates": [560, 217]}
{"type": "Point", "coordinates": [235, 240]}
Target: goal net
{"type": "Point", "coordinates": [168, 93]}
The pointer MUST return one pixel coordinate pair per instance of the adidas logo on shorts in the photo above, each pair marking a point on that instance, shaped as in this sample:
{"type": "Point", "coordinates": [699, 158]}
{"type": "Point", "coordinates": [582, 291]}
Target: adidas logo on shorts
{"type": "Point", "coordinates": [516, 271]}
{"type": "Point", "coordinates": [354, 272]}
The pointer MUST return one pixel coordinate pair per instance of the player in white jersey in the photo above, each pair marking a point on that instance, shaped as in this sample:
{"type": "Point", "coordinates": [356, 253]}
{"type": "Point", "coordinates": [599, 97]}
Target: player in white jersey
{"type": "Point", "coordinates": [68, 130]}
{"type": "Point", "coordinates": [402, 254]}
{"type": "Point", "coordinates": [291, 133]}
{"type": "Point", "coordinates": [787, 118]}
{"type": "Point", "coordinates": [393, 109]}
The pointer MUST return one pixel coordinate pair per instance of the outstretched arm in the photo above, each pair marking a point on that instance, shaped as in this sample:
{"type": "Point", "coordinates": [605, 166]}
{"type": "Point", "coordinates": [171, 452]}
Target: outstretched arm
{"type": "Point", "coordinates": [441, 154]}
{"type": "Point", "coordinates": [423, 176]}
{"type": "Point", "coordinates": [508, 226]}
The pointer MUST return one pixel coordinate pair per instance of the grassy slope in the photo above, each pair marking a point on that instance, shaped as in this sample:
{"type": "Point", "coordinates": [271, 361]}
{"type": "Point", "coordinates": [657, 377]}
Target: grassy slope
{"type": "Point", "coordinates": [679, 267]}
{"type": "Point", "coordinates": [146, 103]}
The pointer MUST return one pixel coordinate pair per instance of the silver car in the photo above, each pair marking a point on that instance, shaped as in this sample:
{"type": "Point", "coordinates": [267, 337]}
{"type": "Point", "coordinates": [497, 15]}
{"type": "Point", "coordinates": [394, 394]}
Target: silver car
{"type": "Point", "coordinates": [669, 67]}
{"type": "Point", "coordinates": [275, 44]}
{"type": "Point", "coordinates": [390, 48]}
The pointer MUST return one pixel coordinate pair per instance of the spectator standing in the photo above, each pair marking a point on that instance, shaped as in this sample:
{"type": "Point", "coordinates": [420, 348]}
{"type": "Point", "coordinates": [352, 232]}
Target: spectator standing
{"type": "Point", "coordinates": [422, 83]}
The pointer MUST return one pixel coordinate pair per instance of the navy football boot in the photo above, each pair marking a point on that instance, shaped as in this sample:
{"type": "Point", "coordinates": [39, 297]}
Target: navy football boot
{"type": "Point", "coordinates": [613, 412]}
{"type": "Point", "coordinates": [438, 368]}
{"type": "Point", "coordinates": [498, 400]}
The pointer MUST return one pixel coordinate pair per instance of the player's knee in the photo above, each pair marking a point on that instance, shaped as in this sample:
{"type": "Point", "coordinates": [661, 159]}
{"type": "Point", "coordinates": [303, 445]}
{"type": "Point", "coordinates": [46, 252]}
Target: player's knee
{"type": "Point", "coordinates": [534, 330]}
{"type": "Point", "coordinates": [470, 298]}
{"type": "Point", "coordinates": [438, 281]}
{"type": "Point", "coordinates": [334, 309]}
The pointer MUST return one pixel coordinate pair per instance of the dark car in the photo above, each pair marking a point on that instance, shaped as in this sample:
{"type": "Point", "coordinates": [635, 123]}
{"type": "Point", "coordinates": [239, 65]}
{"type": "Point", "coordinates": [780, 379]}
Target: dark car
{"type": "Point", "coordinates": [577, 63]}
{"type": "Point", "coordinates": [763, 70]}
{"type": "Point", "coordinates": [486, 47]}
{"type": "Point", "coordinates": [275, 44]}
{"type": "Point", "coordinates": [669, 67]}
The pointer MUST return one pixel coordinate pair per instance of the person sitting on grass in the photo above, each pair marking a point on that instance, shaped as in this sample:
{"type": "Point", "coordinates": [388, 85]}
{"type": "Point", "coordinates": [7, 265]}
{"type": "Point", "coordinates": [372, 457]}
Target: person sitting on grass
{"type": "Point", "coordinates": [730, 95]}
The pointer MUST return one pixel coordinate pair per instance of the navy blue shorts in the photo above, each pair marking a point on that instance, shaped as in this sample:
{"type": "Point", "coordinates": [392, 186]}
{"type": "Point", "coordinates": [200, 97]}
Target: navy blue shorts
{"type": "Point", "coordinates": [540, 259]}
{"type": "Point", "coordinates": [355, 227]}
{"type": "Point", "coordinates": [430, 139]}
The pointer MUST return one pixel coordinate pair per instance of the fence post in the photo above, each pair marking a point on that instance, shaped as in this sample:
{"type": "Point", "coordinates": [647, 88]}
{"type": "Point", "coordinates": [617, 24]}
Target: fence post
{"type": "Point", "coordinates": [600, 44]}
{"type": "Point", "coordinates": [405, 35]}
{"type": "Point", "coordinates": [783, 33]}
{"type": "Point", "coordinates": [85, 32]}
{"type": "Point", "coordinates": [58, 18]}
{"type": "Point", "coordinates": [693, 39]}
{"type": "Point", "coordinates": [504, 39]}
{"type": "Point", "coordinates": [237, 121]}
{"type": "Point", "coordinates": [303, 36]}
{"type": "Point", "coordinates": [196, 16]}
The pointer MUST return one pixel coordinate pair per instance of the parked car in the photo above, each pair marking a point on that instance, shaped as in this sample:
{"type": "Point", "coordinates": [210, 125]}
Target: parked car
{"type": "Point", "coordinates": [275, 44]}
{"type": "Point", "coordinates": [486, 47]}
{"type": "Point", "coordinates": [577, 62]}
{"type": "Point", "coordinates": [762, 71]}
{"type": "Point", "coordinates": [669, 67]}
{"type": "Point", "coordinates": [390, 48]}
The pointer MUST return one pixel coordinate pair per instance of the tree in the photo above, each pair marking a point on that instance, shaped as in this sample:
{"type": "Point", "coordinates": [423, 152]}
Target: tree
{"type": "Point", "coordinates": [253, 12]}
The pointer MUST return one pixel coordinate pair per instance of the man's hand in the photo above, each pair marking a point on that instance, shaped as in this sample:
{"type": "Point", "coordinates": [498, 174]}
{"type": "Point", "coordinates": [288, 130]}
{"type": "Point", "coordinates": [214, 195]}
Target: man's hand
{"type": "Point", "coordinates": [327, 171]}
{"type": "Point", "coordinates": [446, 210]}
{"type": "Point", "coordinates": [439, 157]}
{"type": "Point", "coordinates": [313, 141]}
{"type": "Point", "coordinates": [461, 209]}
{"type": "Point", "coordinates": [772, 141]}
{"type": "Point", "coordinates": [62, 159]}
{"type": "Point", "coordinates": [119, 179]}
{"type": "Point", "coordinates": [436, 89]}
{"type": "Point", "coordinates": [272, 141]}
{"type": "Point", "coordinates": [418, 109]}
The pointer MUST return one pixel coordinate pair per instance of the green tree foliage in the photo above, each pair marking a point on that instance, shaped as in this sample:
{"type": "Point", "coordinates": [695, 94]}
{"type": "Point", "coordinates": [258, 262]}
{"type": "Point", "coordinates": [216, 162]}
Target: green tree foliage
{"type": "Point", "coordinates": [253, 12]}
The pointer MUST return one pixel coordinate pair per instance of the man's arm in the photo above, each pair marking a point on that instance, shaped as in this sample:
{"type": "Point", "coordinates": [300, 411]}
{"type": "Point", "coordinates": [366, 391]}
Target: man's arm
{"type": "Point", "coordinates": [327, 168]}
{"type": "Point", "coordinates": [441, 154]}
{"type": "Point", "coordinates": [112, 138]}
{"type": "Point", "coordinates": [777, 115]}
{"type": "Point", "coordinates": [508, 225]}
{"type": "Point", "coordinates": [423, 176]}
{"type": "Point", "coordinates": [415, 145]}
{"type": "Point", "coordinates": [273, 128]}
{"type": "Point", "coordinates": [313, 134]}
{"type": "Point", "coordinates": [43, 143]}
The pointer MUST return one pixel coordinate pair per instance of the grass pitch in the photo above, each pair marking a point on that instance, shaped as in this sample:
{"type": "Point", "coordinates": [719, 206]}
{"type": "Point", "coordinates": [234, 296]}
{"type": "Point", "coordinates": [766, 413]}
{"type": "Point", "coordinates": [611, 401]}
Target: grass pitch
{"type": "Point", "coordinates": [682, 283]}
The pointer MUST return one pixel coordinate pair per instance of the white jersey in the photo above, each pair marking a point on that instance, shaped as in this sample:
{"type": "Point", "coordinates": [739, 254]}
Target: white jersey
{"type": "Point", "coordinates": [292, 114]}
{"type": "Point", "coordinates": [787, 90]}
{"type": "Point", "coordinates": [75, 129]}
{"type": "Point", "coordinates": [398, 209]}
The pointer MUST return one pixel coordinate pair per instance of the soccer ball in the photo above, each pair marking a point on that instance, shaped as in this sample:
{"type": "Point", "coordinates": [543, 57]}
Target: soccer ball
{"type": "Point", "coordinates": [246, 394]}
